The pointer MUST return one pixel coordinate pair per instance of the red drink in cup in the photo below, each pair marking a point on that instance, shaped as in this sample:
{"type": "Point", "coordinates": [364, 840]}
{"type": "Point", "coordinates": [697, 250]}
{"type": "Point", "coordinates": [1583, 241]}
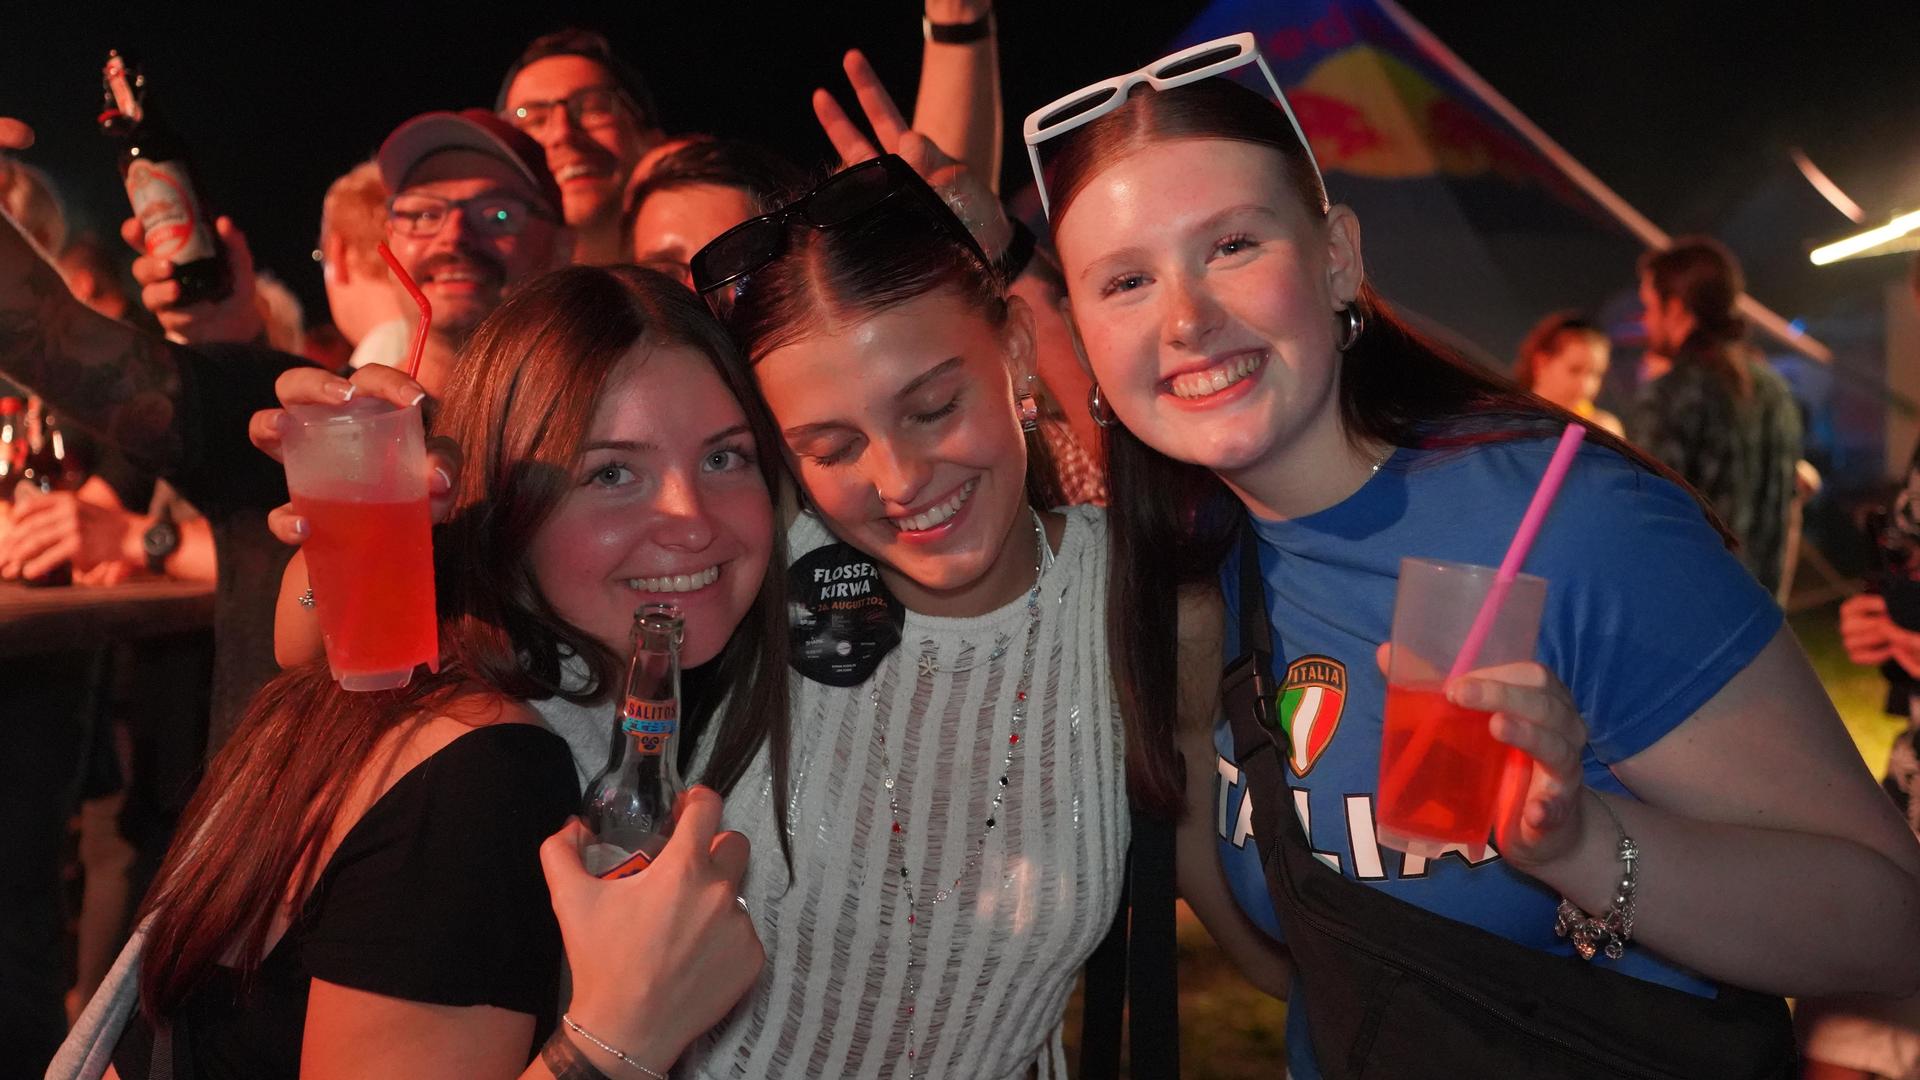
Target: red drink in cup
{"type": "Point", "coordinates": [358, 474]}
{"type": "Point", "coordinates": [1450, 797]}
{"type": "Point", "coordinates": [1440, 767]}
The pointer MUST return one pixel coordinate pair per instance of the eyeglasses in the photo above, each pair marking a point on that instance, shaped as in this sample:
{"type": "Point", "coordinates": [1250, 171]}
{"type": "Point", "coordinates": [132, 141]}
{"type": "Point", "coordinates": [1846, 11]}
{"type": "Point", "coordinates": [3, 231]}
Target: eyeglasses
{"type": "Point", "coordinates": [591, 108]}
{"type": "Point", "coordinates": [422, 216]}
{"type": "Point", "coordinates": [1189, 65]}
{"type": "Point", "coordinates": [845, 196]}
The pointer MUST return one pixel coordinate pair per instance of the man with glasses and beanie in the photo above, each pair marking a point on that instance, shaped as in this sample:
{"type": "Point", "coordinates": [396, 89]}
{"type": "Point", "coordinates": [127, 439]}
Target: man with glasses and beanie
{"type": "Point", "coordinates": [594, 117]}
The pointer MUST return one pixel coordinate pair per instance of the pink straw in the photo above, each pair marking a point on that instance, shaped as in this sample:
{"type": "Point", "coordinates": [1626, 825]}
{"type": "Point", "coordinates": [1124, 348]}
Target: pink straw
{"type": "Point", "coordinates": [1517, 550]}
{"type": "Point", "coordinates": [419, 343]}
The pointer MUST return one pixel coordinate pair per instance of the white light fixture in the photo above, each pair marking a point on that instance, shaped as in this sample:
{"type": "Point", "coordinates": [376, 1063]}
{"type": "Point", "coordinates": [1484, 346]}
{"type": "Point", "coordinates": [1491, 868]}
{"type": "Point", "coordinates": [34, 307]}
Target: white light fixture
{"type": "Point", "coordinates": [1859, 242]}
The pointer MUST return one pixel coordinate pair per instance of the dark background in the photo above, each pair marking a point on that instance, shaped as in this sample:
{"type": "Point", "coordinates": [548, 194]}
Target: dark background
{"type": "Point", "coordinates": [1681, 107]}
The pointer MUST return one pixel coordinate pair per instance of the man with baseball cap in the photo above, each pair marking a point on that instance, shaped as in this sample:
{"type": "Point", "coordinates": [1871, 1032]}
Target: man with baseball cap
{"type": "Point", "coordinates": [594, 117]}
{"type": "Point", "coordinates": [474, 213]}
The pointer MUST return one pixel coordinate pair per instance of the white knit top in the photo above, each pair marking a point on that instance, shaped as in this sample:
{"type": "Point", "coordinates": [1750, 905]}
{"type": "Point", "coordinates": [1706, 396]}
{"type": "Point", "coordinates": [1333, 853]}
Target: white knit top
{"type": "Point", "coordinates": [998, 958]}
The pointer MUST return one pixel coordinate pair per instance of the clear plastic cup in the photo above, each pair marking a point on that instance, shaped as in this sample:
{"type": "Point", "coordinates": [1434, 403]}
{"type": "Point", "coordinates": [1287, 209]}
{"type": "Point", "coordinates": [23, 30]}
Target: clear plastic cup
{"type": "Point", "coordinates": [358, 474]}
{"type": "Point", "coordinates": [1440, 768]}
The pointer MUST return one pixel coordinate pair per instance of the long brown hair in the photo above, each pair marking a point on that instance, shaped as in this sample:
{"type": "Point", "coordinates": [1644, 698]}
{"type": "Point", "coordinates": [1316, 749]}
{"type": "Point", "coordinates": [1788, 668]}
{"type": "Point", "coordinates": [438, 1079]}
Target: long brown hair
{"type": "Point", "coordinates": [889, 255]}
{"type": "Point", "coordinates": [1172, 522]}
{"type": "Point", "coordinates": [520, 403]}
{"type": "Point", "coordinates": [1704, 276]}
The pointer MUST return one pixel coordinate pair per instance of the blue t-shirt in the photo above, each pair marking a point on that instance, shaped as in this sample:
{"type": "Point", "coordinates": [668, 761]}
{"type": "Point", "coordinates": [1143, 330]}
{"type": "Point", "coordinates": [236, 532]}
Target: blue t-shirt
{"type": "Point", "coordinates": [1647, 617]}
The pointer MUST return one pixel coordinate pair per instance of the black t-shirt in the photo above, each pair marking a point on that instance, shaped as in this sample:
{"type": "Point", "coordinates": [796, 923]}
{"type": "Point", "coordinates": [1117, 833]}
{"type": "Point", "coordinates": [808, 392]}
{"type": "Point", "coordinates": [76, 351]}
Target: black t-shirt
{"type": "Point", "coordinates": [435, 895]}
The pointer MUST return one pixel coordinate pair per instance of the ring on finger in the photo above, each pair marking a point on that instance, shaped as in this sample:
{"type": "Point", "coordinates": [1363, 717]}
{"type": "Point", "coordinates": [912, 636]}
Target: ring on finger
{"type": "Point", "coordinates": [742, 901]}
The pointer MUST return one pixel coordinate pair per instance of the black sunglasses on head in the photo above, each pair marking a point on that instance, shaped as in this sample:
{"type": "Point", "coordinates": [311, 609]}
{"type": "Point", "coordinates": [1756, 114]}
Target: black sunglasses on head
{"type": "Point", "coordinates": [841, 198]}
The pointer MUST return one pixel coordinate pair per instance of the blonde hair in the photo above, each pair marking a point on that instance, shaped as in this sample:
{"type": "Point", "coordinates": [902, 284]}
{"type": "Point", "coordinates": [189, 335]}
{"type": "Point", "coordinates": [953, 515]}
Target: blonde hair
{"type": "Point", "coordinates": [280, 312]}
{"type": "Point", "coordinates": [356, 208]}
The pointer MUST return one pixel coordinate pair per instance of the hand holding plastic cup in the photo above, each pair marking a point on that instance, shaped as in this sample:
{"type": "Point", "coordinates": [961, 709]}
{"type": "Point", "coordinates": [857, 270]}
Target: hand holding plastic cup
{"type": "Point", "coordinates": [358, 474]}
{"type": "Point", "coordinates": [1440, 766]}
{"type": "Point", "coordinates": [1441, 770]}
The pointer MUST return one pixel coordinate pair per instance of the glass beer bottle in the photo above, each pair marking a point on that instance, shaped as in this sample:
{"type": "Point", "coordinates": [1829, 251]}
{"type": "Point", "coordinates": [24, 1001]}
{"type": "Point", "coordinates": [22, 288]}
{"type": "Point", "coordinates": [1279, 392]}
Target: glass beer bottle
{"type": "Point", "coordinates": [629, 806]}
{"type": "Point", "coordinates": [153, 165]}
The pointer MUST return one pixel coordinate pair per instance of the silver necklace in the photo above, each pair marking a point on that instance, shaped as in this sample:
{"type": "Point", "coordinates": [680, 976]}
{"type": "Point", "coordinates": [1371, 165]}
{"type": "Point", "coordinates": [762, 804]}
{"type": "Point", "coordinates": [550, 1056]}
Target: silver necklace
{"type": "Point", "coordinates": [897, 835]}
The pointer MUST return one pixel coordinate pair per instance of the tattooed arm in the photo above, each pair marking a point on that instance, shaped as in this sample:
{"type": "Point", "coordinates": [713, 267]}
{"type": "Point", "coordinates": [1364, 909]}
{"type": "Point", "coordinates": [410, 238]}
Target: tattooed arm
{"type": "Point", "coordinates": [102, 375]}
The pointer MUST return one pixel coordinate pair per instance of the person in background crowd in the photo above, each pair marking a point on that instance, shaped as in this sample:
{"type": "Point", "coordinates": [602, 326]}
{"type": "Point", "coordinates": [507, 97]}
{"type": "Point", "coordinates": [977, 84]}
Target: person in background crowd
{"type": "Point", "coordinates": [1564, 359]}
{"type": "Point", "coordinates": [1269, 406]}
{"type": "Point", "coordinates": [474, 214]}
{"type": "Point", "coordinates": [1721, 417]}
{"type": "Point", "coordinates": [95, 281]}
{"type": "Point", "coordinates": [282, 318]}
{"type": "Point", "coordinates": [360, 294]}
{"type": "Point", "coordinates": [1863, 1038]}
{"type": "Point", "coordinates": [695, 193]}
{"type": "Point", "coordinates": [593, 117]}
{"type": "Point", "coordinates": [1071, 432]}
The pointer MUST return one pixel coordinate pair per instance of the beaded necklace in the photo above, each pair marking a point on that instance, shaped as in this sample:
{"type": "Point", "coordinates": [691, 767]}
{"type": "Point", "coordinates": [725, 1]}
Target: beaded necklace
{"type": "Point", "coordinates": [896, 837]}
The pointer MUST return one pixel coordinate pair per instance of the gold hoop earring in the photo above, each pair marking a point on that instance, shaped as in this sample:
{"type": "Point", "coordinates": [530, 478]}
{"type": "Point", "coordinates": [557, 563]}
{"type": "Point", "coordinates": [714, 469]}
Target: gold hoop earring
{"type": "Point", "coordinates": [1355, 325]}
{"type": "Point", "coordinates": [1098, 408]}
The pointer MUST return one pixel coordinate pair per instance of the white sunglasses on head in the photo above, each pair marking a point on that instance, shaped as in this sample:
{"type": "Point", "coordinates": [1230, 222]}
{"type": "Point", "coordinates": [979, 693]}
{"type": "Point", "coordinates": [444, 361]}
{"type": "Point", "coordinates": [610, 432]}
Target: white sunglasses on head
{"type": "Point", "coordinates": [1189, 65]}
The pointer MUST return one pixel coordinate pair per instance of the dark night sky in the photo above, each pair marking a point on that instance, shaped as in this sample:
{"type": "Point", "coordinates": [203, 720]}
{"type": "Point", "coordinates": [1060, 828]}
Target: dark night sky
{"type": "Point", "coordinates": [1679, 106]}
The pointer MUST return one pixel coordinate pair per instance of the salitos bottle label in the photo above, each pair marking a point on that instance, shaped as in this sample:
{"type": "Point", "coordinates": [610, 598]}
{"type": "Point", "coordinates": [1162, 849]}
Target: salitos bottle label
{"type": "Point", "coordinates": [630, 804]}
{"type": "Point", "coordinates": [651, 723]}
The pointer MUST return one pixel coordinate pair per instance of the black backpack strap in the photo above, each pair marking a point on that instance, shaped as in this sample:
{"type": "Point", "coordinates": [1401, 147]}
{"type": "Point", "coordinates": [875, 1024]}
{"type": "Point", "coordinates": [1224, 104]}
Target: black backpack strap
{"type": "Point", "coordinates": [1255, 635]}
{"type": "Point", "coordinates": [1153, 978]}
{"type": "Point", "coordinates": [1104, 994]}
{"type": "Point", "coordinates": [1135, 970]}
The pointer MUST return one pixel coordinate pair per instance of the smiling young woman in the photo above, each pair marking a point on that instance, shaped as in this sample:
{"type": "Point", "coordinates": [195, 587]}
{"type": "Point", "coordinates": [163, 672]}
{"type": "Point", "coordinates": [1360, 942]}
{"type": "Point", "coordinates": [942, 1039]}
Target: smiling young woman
{"type": "Point", "coordinates": [1277, 415]}
{"type": "Point", "coordinates": [960, 808]}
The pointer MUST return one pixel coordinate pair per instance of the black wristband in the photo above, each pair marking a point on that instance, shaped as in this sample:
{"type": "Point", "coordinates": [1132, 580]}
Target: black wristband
{"type": "Point", "coordinates": [1013, 261]}
{"type": "Point", "coordinates": [565, 1061]}
{"type": "Point", "coordinates": [965, 33]}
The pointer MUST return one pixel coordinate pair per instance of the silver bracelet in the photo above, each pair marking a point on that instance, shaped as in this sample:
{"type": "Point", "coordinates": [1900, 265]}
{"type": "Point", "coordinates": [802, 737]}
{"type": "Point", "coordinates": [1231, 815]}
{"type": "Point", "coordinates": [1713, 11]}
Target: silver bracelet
{"type": "Point", "coordinates": [1610, 932]}
{"type": "Point", "coordinates": [575, 1027]}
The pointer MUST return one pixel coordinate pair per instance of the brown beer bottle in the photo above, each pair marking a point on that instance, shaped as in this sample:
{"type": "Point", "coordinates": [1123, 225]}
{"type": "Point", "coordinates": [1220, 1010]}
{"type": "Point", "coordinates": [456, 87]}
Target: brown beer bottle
{"type": "Point", "coordinates": [49, 468]}
{"type": "Point", "coordinates": [13, 447]}
{"type": "Point", "coordinates": [153, 165]}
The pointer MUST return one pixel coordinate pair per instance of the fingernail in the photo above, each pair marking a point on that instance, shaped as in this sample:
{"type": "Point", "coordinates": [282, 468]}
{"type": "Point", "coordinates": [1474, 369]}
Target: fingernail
{"type": "Point", "coordinates": [446, 478]}
{"type": "Point", "coordinates": [417, 399]}
{"type": "Point", "coordinates": [300, 527]}
{"type": "Point", "coordinates": [347, 395]}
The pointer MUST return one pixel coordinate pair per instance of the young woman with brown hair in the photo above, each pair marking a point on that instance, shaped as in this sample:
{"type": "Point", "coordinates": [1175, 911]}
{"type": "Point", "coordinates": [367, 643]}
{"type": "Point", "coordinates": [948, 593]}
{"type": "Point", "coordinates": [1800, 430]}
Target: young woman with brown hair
{"type": "Point", "coordinates": [355, 891]}
{"type": "Point", "coordinates": [1269, 407]}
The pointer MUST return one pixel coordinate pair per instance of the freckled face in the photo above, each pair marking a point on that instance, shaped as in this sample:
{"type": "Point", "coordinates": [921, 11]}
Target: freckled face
{"type": "Point", "coordinates": [666, 504]}
{"type": "Point", "coordinates": [1206, 300]}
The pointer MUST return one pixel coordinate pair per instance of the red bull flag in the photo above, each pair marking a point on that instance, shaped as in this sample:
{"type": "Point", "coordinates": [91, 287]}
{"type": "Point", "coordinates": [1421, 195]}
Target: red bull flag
{"type": "Point", "coordinates": [1476, 223]}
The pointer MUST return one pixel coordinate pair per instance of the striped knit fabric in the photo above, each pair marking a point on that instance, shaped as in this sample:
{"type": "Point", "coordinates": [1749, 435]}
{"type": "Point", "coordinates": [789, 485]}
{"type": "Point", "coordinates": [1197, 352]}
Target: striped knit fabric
{"type": "Point", "coordinates": [998, 958]}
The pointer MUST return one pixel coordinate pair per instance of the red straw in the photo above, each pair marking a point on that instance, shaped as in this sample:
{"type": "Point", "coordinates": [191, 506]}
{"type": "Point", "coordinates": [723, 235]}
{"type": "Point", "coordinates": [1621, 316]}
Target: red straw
{"type": "Point", "coordinates": [419, 343]}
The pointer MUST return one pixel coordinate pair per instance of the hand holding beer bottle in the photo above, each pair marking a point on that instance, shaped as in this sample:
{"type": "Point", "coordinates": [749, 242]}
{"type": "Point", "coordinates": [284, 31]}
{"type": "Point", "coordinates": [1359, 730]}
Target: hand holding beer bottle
{"type": "Point", "coordinates": [660, 957]}
{"type": "Point", "coordinates": [195, 274]}
{"type": "Point", "coordinates": [630, 805]}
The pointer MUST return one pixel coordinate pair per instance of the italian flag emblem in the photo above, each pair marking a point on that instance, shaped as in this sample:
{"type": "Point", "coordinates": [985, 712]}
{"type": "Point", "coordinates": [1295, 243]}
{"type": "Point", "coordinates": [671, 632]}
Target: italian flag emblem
{"type": "Point", "coordinates": [1310, 701]}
